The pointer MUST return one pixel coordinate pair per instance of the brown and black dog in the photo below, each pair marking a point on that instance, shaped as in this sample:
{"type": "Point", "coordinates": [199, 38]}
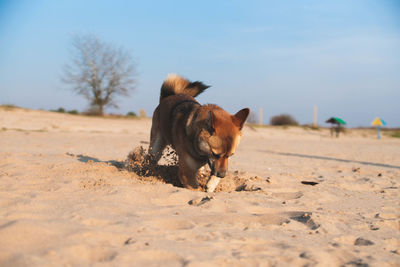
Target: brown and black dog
{"type": "Point", "coordinates": [200, 134]}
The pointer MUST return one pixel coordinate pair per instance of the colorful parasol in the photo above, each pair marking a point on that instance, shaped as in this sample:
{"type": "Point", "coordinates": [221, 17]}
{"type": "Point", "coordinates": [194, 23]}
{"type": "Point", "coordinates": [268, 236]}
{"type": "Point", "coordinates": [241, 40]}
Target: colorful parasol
{"type": "Point", "coordinates": [378, 122]}
{"type": "Point", "coordinates": [336, 120]}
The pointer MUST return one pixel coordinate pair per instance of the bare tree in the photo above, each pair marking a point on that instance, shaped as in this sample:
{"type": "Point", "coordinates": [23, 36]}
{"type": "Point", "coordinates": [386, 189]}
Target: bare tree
{"type": "Point", "coordinates": [99, 71]}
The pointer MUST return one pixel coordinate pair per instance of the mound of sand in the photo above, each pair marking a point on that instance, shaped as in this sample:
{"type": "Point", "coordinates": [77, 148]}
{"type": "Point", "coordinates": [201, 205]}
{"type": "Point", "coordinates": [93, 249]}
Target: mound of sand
{"type": "Point", "coordinates": [167, 172]}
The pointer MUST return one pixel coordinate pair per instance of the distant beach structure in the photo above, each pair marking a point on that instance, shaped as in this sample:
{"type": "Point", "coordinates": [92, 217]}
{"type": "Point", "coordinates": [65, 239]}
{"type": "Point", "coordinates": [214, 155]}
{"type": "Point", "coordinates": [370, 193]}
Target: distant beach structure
{"type": "Point", "coordinates": [336, 125]}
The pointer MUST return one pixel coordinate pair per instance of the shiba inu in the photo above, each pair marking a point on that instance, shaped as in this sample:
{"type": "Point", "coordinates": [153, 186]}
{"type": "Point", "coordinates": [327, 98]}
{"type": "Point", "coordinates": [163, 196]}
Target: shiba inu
{"type": "Point", "coordinates": [200, 134]}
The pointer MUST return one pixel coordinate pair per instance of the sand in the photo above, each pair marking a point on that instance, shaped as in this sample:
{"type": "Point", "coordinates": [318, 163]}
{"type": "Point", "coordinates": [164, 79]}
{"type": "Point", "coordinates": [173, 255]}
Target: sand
{"type": "Point", "coordinates": [293, 197]}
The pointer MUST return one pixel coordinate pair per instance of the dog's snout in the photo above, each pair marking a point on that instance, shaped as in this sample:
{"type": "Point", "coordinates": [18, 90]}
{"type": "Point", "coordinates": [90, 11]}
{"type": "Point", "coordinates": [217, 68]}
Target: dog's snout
{"type": "Point", "coordinates": [219, 167]}
{"type": "Point", "coordinates": [221, 174]}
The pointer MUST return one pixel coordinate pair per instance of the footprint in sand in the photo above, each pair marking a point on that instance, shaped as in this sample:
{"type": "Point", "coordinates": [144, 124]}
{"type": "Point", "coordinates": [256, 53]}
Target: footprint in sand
{"type": "Point", "coordinates": [388, 219]}
{"type": "Point", "coordinates": [172, 224]}
{"type": "Point", "coordinates": [363, 242]}
{"type": "Point", "coordinates": [242, 220]}
{"type": "Point", "coordinates": [158, 257]}
{"type": "Point", "coordinates": [102, 254]}
{"type": "Point", "coordinates": [288, 195]}
{"type": "Point", "coordinates": [129, 241]}
{"type": "Point", "coordinates": [200, 201]}
{"type": "Point", "coordinates": [92, 254]}
{"type": "Point", "coordinates": [393, 245]}
{"type": "Point", "coordinates": [246, 220]}
{"type": "Point", "coordinates": [305, 218]}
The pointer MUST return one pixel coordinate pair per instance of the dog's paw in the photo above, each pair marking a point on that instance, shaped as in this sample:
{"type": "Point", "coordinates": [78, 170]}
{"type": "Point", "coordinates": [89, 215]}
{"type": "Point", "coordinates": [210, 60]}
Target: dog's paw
{"type": "Point", "coordinates": [212, 183]}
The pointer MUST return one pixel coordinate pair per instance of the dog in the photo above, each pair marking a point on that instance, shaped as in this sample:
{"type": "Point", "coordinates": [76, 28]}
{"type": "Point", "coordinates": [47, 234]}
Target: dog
{"type": "Point", "coordinates": [200, 134]}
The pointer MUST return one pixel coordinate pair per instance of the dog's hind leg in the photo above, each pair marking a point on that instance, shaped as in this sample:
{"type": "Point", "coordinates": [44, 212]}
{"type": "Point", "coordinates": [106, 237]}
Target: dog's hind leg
{"type": "Point", "coordinates": [157, 142]}
{"type": "Point", "coordinates": [156, 148]}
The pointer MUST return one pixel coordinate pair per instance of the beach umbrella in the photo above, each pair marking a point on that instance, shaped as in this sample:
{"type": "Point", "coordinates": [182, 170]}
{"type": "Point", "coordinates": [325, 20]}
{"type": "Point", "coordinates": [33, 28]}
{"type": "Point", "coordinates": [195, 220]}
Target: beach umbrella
{"type": "Point", "coordinates": [378, 122]}
{"type": "Point", "coordinates": [336, 120]}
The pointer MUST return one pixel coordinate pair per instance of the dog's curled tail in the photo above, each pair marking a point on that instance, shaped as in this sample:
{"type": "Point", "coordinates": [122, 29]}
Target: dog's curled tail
{"type": "Point", "coordinates": [175, 84]}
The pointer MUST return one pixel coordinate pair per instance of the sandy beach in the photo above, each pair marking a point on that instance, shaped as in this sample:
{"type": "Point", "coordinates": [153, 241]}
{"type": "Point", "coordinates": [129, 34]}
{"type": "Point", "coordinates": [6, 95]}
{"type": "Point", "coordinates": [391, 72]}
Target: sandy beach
{"type": "Point", "coordinates": [303, 198]}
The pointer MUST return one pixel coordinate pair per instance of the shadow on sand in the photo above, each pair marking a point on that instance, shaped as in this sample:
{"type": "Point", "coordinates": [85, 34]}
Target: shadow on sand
{"type": "Point", "coordinates": [120, 165]}
{"type": "Point", "coordinates": [332, 159]}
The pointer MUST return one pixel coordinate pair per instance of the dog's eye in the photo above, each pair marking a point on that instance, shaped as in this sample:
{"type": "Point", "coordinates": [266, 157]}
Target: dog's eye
{"type": "Point", "coordinates": [217, 156]}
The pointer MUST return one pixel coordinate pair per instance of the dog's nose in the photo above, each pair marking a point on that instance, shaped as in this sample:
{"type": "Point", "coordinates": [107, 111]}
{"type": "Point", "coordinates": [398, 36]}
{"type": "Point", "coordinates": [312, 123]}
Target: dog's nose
{"type": "Point", "coordinates": [221, 174]}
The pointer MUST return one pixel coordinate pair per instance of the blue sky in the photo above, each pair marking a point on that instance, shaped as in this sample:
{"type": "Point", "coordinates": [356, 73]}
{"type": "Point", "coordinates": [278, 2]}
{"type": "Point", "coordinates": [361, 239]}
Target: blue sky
{"type": "Point", "coordinates": [283, 56]}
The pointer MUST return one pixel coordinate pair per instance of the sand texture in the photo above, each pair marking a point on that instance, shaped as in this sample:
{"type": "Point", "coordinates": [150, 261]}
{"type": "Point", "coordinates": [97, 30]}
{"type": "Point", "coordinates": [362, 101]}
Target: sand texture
{"type": "Point", "coordinates": [71, 196]}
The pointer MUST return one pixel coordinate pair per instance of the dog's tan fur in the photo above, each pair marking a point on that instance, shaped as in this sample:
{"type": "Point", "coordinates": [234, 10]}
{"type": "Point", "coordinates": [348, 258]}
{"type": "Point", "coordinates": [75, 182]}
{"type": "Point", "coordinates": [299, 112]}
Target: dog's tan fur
{"type": "Point", "coordinates": [199, 134]}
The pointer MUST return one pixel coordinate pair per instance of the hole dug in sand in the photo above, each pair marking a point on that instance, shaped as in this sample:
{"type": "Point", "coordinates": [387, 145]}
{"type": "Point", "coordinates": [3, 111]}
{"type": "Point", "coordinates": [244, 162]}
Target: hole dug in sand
{"type": "Point", "coordinates": [166, 171]}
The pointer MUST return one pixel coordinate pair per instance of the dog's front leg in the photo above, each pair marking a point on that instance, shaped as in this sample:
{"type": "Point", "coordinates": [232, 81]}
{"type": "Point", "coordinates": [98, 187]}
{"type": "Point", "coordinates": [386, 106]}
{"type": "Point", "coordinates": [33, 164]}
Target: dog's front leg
{"type": "Point", "coordinates": [212, 183]}
{"type": "Point", "coordinates": [188, 169]}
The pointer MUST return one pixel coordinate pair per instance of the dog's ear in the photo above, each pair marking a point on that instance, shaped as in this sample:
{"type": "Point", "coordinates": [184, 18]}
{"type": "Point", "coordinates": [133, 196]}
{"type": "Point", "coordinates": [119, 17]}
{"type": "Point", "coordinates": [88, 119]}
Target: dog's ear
{"type": "Point", "coordinates": [240, 117]}
{"type": "Point", "coordinates": [210, 122]}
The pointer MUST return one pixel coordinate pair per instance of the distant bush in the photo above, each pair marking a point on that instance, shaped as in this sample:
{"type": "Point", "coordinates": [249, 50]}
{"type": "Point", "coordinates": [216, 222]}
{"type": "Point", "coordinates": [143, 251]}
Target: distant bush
{"type": "Point", "coordinates": [283, 119]}
{"type": "Point", "coordinates": [131, 114]}
{"type": "Point", "coordinates": [63, 110]}
{"type": "Point", "coordinates": [8, 106]}
{"type": "Point", "coordinates": [73, 112]}
{"type": "Point", "coordinates": [395, 134]}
